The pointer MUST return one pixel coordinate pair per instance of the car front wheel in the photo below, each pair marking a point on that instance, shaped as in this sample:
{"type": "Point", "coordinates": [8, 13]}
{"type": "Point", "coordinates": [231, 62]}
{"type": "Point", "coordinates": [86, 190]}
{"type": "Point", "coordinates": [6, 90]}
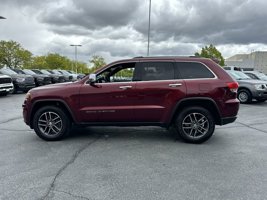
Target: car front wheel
{"type": "Point", "coordinates": [244, 96]}
{"type": "Point", "coordinates": [194, 124]}
{"type": "Point", "coordinates": [51, 123]}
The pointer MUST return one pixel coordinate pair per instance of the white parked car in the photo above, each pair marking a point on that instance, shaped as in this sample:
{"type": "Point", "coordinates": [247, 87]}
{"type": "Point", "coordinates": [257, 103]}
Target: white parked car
{"type": "Point", "coordinates": [6, 85]}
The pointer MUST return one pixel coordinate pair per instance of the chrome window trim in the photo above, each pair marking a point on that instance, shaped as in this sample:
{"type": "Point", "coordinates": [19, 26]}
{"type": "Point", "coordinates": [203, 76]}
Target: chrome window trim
{"type": "Point", "coordinates": [111, 65]}
{"type": "Point", "coordinates": [174, 62]}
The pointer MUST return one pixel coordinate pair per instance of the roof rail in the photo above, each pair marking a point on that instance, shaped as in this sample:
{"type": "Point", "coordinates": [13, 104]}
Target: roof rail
{"type": "Point", "coordinates": [138, 57]}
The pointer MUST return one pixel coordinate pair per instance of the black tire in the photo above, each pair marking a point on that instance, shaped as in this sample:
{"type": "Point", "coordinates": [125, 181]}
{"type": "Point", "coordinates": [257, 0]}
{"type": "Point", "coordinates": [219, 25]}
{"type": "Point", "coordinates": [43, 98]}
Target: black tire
{"type": "Point", "coordinates": [15, 91]}
{"type": "Point", "coordinates": [3, 93]}
{"type": "Point", "coordinates": [194, 125]}
{"type": "Point", "coordinates": [244, 96]}
{"type": "Point", "coordinates": [51, 123]}
{"type": "Point", "coordinates": [261, 100]}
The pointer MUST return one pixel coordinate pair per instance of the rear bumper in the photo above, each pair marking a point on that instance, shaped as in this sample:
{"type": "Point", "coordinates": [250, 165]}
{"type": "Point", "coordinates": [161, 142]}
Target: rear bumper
{"type": "Point", "coordinates": [227, 120]}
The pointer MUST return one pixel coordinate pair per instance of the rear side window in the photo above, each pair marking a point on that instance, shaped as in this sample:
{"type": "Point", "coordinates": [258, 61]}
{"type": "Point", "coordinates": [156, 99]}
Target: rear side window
{"type": "Point", "coordinates": [148, 71]}
{"type": "Point", "coordinates": [192, 70]}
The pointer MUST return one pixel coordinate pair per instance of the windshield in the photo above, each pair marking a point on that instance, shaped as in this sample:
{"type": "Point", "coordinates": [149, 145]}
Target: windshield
{"type": "Point", "coordinates": [71, 72]}
{"type": "Point", "coordinates": [64, 72]}
{"type": "Point", "coordinates": [19, 71]}
{"type": "Point", "coordinates": [27, 71]}
{"type": "Point", "coordinates": [45, 72]}
{"type": "Point", "coordinates": [262, 76]}
{"type": "Point", "coordinates": [239, 75]}
{"type": "Point", "coordinates": [8, 71]}
{"type": "Point", "coordinates": [55, 72]}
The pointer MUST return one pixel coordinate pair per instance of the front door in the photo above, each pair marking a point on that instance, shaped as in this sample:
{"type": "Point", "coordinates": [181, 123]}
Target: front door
{"type": "Point", "coordinates": [111, 97]}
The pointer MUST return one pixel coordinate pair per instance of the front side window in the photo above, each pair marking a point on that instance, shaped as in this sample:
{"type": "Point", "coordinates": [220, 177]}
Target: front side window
{"type": "Point", "coordinates": [118, 73]}
{"type": "Point", "coordinates": [149, 71]}
{"type": "Point", "coordinates": [193, 70]}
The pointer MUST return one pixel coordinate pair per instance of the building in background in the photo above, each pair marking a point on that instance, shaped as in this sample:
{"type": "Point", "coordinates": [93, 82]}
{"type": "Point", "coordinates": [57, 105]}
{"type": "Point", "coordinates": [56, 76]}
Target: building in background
{"type": "Point", "coordinates": [254, 61]}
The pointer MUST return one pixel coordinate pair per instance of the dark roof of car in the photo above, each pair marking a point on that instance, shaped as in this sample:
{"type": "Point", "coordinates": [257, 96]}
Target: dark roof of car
{"type": "Point", "coordinates": [158, 58]}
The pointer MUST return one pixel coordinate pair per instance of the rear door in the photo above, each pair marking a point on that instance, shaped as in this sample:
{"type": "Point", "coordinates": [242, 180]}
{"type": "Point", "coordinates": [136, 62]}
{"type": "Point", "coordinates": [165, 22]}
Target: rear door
{"type": "Point", "coordinates": [157, 91]}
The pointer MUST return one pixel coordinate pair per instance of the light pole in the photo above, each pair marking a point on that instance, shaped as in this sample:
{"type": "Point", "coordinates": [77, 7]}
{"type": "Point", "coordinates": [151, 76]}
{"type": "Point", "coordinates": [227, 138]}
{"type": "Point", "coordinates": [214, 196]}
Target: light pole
{"type": "Point", "coordinates": [148, 34]}
{"type": "Point", "coordinates": [75, 45]}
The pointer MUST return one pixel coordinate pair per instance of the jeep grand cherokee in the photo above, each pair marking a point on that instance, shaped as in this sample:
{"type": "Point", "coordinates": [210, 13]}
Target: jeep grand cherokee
{"type": "Point", "coordinates": [191, 94]}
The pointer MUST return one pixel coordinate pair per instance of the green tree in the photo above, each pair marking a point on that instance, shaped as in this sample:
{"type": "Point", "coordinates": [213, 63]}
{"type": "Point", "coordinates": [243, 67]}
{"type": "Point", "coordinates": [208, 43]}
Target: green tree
{"type": "Point", "coordinates": [98, 61]}
{"type": "Point", "coordinates": [13, 55]}
{"type": "Point", "coordinates": [56, 61]}
{"type": "Point", "coordinates": [211, 52]}
{"type": "Point", "coordinates": [51, 61]}
{"type": "Point", "coordinates": [82, 67]}
{"type": "Point", "coordinates": [38, 62]}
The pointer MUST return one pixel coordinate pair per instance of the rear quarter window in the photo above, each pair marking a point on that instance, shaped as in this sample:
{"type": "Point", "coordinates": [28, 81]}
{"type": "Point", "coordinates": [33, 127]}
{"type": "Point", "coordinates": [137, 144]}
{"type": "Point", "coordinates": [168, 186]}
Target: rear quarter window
{"type": "Point", "coordinates": [192, 70]}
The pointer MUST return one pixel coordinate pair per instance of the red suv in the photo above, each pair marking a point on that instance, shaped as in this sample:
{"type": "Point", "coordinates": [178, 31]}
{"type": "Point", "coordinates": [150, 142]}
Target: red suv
{"type": "Point", "coordinates": [191, 94]}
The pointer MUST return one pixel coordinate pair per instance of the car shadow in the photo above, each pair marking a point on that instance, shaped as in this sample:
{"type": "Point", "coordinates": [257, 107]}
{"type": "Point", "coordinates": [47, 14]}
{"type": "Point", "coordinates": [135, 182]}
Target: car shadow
{"type": "Point", "coordinates": [257, 103]}
{"type": "Point", "coordinates": [125, 133]}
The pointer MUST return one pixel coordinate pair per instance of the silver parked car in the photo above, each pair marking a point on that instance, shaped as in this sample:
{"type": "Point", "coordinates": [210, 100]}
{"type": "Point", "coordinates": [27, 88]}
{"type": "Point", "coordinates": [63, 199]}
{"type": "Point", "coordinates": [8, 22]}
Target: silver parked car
{"type": "Point", "coordinates": [249, 89]}
{"type": "Point", "coordinates": [256, 75]}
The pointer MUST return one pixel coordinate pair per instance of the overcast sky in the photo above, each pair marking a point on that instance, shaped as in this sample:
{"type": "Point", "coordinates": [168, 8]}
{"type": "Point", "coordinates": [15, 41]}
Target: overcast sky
{"type": "Point", "coordinates": [117, 29]}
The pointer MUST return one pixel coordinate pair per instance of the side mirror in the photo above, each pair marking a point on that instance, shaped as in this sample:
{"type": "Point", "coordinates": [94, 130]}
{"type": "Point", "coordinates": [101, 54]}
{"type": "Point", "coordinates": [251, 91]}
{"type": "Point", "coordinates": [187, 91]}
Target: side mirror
{"type": "Point", "coordinates": [92, 78]}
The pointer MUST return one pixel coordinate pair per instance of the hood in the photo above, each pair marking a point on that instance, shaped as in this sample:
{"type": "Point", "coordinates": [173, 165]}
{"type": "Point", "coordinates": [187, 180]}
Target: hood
{"type": "Point", "coordinates": [4, 76]}
{"type": "Point", "coordinates": [20, 76]}
{"type": "Point", "coordinates": [51, 86]}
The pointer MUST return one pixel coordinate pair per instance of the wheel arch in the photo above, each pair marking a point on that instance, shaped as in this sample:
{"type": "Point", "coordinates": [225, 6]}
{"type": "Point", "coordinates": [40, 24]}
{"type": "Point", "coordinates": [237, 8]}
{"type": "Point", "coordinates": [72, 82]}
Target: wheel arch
{"type": "Point", "coordinates": [244, 88]}
{"type": "Point", "coordinates": [204, 102]}
{"type": "Point", "coordinates": [51, 102]}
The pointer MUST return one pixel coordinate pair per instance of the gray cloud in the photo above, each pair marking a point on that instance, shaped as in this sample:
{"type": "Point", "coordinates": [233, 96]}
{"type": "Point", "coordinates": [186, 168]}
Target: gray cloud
{"type": "Point", "coordinates": [118, 28]}
{"type": "Point", "coordinates": [91, 14]}
{"type": "Point", "coordinates": [209, 21]}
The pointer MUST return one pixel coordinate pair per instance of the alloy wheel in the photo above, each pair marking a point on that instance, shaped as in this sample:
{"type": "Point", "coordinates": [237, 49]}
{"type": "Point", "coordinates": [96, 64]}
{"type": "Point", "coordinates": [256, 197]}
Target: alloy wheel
{"type": "Point", "coordinates": [50, 123]}
{"type": "Point", "coordinates": [243, 97]}
{"type": "Point", "coordinates": [195, 125]}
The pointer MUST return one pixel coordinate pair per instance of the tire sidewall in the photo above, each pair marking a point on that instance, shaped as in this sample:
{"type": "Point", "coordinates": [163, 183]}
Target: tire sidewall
{"type": "Point", "coordinates": [65, 123]}
{"type": "Point", "coordinates": [179, 120]}
{"type": "Point", "coordinates": [248, 95]}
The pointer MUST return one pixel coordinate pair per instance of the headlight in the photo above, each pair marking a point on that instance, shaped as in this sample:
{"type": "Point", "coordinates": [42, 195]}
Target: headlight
{"type": "Point", "coordinates": [260, 87]}
{"type": "Point", "coordinates": [20, 80]}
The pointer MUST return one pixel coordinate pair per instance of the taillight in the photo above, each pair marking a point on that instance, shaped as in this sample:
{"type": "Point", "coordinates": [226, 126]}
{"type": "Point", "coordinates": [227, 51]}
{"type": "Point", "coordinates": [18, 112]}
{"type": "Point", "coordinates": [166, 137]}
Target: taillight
{"type": "Point", "coordinates": [233, 86]}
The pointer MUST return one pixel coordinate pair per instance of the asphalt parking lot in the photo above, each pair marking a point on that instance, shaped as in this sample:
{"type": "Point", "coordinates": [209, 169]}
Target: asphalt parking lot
{"type": "Point", "coordinates": [133, 163]}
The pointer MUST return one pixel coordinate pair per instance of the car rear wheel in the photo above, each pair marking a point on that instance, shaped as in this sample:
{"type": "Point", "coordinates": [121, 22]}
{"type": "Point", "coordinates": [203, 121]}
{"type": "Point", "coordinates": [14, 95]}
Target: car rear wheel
{"type": "Point", "coordinates": [194, 124]}
{"type": "Point", "coordinates": [244, 96]}
{"type": "Point", "coordinates": [51, 123]}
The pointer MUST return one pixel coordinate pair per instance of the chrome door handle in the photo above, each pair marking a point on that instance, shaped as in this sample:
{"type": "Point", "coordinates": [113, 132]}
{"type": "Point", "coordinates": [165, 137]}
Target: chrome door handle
{"type": "Point", "coordinates": [175, 84]}
{"type": "Point", "coordinates": [125, 87]}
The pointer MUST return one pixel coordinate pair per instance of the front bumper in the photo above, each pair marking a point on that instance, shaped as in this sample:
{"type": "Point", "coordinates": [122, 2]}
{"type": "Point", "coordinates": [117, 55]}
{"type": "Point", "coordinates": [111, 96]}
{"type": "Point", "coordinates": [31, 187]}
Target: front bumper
{"type": "Point", "coordinates": [260, 94]}
{"type": "Point", "coordinates": [227, 120]}
{"type": "Point", "coordinates": [6, 88]}
{"type": "Point", "coordinates": [24, 86]}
